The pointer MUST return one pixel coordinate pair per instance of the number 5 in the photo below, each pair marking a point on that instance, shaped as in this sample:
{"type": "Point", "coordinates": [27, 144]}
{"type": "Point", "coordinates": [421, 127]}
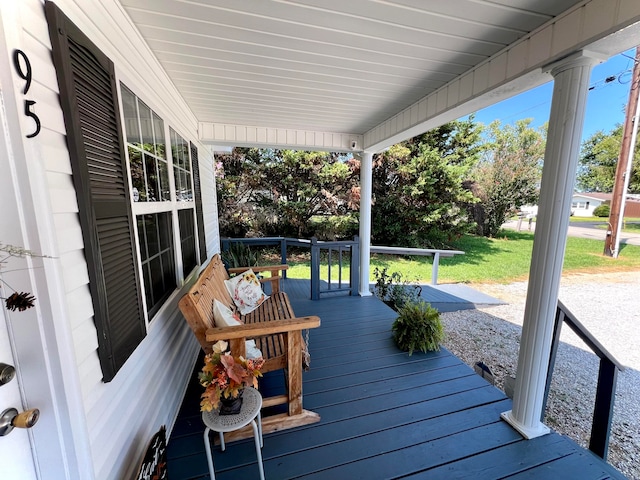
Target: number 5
{"type": "Point", "coordinates": [27, 111]}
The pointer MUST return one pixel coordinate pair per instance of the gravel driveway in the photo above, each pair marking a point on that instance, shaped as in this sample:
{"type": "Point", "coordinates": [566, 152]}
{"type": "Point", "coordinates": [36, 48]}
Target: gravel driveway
{"type": "Point", "coordinates": [609, 306]}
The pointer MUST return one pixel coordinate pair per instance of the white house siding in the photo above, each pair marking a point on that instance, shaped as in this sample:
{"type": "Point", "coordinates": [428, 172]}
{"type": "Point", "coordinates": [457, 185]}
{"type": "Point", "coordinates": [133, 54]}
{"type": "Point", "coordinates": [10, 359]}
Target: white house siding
{"type": "Point", "coordinates": [122, 415]}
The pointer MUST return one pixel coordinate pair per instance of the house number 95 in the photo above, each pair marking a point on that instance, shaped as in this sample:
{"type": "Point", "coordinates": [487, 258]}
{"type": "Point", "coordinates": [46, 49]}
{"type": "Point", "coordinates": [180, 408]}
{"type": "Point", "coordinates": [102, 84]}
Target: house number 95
{"type": "Point", "coordinates": [23, 67]}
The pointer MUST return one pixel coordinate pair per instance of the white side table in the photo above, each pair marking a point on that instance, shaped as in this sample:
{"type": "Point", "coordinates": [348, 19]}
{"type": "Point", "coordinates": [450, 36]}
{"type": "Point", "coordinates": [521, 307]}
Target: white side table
{"type": "Point", "coordinates": [250, 411]}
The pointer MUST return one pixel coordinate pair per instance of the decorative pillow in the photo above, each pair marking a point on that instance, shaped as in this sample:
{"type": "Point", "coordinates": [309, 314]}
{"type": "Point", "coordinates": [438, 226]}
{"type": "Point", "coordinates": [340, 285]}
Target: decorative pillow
{"type": "Point", "coordinates": [224, 317]}
{"type": "Point", "coordinates": [252, 350]}
{"type": "Point", "coordinates": [245, 291]}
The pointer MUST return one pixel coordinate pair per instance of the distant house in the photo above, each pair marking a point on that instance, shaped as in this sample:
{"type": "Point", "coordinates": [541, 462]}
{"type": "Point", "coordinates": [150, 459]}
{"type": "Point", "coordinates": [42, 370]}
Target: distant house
{"type": "Point", "coordinates": [583, 204]}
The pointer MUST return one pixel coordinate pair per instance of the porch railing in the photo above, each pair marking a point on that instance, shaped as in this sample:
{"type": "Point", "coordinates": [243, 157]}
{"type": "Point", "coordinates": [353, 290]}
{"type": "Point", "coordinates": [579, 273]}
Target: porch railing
{"type": "Point", "coordinates": [436, 254]}
{"type": "Point", "coordinates": [338, 250]}
{"type": "Point", "coordinates": [607, 378]}
{"type": "Point", "coordinates": [334, 254]}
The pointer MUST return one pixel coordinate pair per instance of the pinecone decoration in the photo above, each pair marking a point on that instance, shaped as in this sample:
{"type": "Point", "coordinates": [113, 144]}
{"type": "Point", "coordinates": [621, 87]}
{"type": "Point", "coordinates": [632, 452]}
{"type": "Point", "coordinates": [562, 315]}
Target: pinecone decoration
{"type": "Point", "coordinates": [20, 301]}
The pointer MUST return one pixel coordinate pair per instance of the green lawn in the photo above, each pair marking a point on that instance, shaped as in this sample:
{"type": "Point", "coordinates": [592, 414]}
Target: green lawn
{"type": "Point", "coordinates": [501, 260]}
{"type": "Point", "coordinates": [588, 219]}
{"type": "Point", "coordinates": [631, 227]}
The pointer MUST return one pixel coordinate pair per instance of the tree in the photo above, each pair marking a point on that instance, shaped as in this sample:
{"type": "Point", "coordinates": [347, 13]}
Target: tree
{"type": "Point", "coordinates": [418, 187]}
{"type": "Point", "coordinates": [236, 182]}
{"type": "Point", "coordinates": [305, 184]}
{"type": "Point", "coordinates": [598, 161]}
{"type": "Point", "coordinates": [266, 191]}
{"type": "Point", "coordinates": [509, 173]}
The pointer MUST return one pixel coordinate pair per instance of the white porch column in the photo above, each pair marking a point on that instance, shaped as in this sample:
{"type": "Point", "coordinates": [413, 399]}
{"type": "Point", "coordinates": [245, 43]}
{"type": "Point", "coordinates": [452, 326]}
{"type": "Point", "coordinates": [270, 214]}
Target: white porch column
{"type": "Point", "coordinates": [571, 82]}
{"type": "Point", "coordinates": [366, 192]}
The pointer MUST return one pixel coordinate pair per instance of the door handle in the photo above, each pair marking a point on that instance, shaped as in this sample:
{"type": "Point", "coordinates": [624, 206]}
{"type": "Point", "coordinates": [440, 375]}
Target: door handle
{"type": "Point", "coordinates": [10, 419]}
{"type": "Point", "coordinates": [7, 372]}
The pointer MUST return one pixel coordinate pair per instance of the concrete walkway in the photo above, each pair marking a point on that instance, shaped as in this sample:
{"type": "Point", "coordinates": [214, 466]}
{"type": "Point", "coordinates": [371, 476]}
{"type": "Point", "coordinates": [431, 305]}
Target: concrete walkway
{"type": "Point", "coordinates": [451, 297]}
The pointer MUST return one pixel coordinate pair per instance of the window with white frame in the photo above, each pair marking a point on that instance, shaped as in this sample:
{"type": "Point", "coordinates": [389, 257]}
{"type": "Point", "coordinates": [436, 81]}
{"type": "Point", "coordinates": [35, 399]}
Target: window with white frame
{"type": "Point", "coordinates": [155, 200]}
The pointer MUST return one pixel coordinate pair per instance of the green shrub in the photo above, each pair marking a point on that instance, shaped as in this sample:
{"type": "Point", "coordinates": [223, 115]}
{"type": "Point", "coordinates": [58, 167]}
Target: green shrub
{"type": "Point", "coordinates": [602, 210]}
{"type": "Point", "coordinates": [393, 290]}
{"type": "Point", "coordinates": [334, 227]}
{"type": "Point", "coordinates": [239, 255]}
{"type": "Point", "coordinates": [418, 327]}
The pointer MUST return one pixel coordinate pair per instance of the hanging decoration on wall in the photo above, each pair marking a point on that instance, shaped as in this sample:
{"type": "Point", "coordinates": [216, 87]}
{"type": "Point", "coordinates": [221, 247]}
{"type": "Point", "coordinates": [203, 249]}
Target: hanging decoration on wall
{"type": "Point", "coordinates": [19, 301]}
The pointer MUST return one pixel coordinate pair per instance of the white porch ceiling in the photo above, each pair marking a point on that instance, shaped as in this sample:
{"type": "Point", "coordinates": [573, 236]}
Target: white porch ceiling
{"type": "Point", "coordinates": [327, 65]}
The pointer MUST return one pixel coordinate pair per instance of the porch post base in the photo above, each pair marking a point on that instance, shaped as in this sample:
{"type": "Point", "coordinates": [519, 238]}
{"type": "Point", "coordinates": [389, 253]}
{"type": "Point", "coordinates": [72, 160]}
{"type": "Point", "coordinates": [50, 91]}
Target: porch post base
{"type": "Point", "coordinates": [537, 430]}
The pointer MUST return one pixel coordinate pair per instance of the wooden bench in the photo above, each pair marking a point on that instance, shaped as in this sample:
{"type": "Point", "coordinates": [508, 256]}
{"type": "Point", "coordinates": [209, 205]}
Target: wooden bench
{"type": "Point", "coordinates": [273, 325]}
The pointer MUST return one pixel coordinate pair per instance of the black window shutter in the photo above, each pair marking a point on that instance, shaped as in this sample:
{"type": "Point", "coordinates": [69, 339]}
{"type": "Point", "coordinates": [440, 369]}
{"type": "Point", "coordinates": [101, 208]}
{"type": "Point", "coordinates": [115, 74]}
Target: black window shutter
{"type": "Point", "coordinates": [198, 197]}
{"type": "Point", "coordinates": [88, 97]}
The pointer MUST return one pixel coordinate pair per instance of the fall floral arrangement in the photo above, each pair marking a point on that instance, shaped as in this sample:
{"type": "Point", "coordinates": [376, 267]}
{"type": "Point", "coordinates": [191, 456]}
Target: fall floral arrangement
{"type": "Point", "coordinates": [224, 376]}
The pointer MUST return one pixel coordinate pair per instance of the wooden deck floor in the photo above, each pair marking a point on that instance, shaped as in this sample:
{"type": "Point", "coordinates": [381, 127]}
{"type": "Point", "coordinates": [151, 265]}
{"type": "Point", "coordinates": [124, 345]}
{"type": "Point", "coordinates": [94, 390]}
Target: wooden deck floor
{"type": "Point", "coordinates": [384, 415]}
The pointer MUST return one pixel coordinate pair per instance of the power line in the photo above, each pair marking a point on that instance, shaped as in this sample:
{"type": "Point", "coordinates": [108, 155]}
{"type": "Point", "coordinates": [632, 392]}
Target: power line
{"type": "Point", "coordinates": [547, 102]}
{"type": "Point", "coordinates": [629, 57]}
{"type": "Point", "coordinates": [610, 79]}
{"type": "Point", "coordinates": [598, 84]}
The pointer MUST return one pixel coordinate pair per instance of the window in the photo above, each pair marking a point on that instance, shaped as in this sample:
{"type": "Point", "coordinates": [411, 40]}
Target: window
{"type": "Point", "coordinates": [152, 198]}
{"type": "Point", "coordinates": [187, 239]}
{"type": "Point", "coordinates": [149, 168]}
{"type": "Point", "coordinates": [156, 254]}
{"type": "Point", "coordinates": [181, 167]}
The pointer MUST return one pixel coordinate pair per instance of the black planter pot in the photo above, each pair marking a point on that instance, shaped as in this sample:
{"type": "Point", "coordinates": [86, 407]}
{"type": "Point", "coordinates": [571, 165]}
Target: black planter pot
{"type": "Point", "coordinates": [231, 406]}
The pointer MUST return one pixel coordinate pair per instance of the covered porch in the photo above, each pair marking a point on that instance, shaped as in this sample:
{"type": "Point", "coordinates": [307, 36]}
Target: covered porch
{"type": "Point", "coordinates": [181, 78]}
{"type": "Point", "coordinates": [384, 414]}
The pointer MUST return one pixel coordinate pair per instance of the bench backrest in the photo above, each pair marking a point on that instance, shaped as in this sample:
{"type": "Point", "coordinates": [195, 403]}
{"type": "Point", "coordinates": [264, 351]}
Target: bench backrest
{"type": "Point", "coordinates": [197, 304]}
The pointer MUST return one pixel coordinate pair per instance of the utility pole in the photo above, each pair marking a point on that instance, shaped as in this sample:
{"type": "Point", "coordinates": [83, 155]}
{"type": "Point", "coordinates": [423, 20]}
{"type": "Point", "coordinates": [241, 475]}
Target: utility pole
{"type": "Point", "coordinates": [625, 162]}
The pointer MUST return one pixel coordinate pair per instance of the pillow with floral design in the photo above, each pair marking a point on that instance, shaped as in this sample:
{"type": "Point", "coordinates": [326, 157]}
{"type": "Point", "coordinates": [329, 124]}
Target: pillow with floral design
{"type": "Point", "coordinates": [246, 292]}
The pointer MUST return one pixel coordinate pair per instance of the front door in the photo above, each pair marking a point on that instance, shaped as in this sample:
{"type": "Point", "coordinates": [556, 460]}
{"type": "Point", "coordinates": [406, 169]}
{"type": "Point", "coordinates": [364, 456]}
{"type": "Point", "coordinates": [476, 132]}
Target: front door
{"type": "Point", "coordinates": [16, 460]}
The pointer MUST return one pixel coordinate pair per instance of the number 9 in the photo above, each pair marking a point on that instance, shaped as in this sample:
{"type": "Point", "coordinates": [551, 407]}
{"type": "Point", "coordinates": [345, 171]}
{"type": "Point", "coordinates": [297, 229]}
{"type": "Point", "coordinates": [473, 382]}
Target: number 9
{"type": "Point", "coordinates": [26, 76]}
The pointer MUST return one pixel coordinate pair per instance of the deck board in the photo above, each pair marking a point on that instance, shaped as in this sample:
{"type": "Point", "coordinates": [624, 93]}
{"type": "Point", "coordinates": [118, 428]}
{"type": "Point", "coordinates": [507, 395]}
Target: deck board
{"type": "Point", "coordinates": [506, 460]}
{"type": "Point", "coordinates": [384, 414]}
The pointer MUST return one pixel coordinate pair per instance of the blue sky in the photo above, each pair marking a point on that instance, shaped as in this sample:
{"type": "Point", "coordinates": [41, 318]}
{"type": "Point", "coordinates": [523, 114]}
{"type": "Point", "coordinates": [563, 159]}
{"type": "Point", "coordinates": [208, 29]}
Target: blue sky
{"type": "Point", "coordinates": [605, 104]}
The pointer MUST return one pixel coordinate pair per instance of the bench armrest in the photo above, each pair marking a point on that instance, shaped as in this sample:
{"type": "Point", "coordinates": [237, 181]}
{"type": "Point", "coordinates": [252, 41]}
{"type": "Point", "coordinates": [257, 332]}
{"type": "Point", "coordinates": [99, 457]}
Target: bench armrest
{"type": "Point", "coordinates": [262, 328]}
{"type": "Point", "coordinates": [274, 271]}
{"type": "Point", "coordinates": [264, 268]}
